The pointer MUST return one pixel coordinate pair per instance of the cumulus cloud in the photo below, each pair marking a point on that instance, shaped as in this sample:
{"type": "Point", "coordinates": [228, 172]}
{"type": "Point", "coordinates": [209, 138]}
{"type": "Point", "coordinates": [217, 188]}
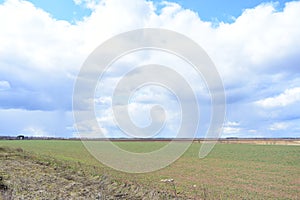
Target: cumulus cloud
{"type": "Point", "coordinates": [38, 56]}
{"type": "Point", "coordinates": [257, 55]}
{"type": "Point", "coordinates": [231, 129]}
{"type": "Point", "coordinates": [288, 97]}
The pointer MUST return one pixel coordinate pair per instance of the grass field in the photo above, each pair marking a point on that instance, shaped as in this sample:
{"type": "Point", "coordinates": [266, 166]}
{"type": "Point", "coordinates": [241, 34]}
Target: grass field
{"type": "Point", "coordinates": [230, 171]}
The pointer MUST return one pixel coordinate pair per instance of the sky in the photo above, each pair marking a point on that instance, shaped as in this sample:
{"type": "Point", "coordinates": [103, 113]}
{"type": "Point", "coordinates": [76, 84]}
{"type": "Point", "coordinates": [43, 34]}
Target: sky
{"type": "Point", "coordinates": [254, 44]}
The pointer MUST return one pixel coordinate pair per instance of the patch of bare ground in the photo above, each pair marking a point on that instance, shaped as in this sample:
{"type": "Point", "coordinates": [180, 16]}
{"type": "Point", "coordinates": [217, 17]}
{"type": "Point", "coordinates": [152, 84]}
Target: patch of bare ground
{"type": "Point", "coordinates": [22, 176]}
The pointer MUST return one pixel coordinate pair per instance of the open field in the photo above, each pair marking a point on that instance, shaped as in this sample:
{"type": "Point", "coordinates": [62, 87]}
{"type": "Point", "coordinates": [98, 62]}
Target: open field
{"type": "Point", "coordinates": [231, 171]}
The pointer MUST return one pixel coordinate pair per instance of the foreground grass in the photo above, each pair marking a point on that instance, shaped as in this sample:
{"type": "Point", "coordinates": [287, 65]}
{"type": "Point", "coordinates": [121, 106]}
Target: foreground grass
{"type": "Point", "coordinates": [231, 171]}
{"type": "Point", "coordinates": [24, 175]}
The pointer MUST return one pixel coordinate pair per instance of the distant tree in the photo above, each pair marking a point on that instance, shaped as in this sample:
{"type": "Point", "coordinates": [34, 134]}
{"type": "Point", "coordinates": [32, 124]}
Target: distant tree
{"type": "Point", "coordinates": [20, 137]}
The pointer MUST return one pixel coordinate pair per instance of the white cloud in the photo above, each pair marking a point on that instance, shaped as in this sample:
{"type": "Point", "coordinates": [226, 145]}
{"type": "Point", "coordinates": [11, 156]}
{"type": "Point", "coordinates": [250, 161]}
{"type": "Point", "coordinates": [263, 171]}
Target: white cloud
{"type": "Point", "coordinates": [252, 43]}
{"type": "Point", "coordinates": [77, 2]}
{"type": "Point", "coordinates": [91, 4]}
{"type": "Point", "coordinates": [36, 40]}
{"type": "Point", "coordinates": [230, 130]}
{"type": "Point", "coordinates": [4, 85]}
{"type": "Point", "coordinates": [103, 100]}
{"type": "Point", "coordinates": [257, 55]}
{"type": "Point", "coordinates": [288, 97]}
{"type": "Point", "coordinates": [279, 126]}
{"type": "Point", "coordinates": [36, 132]}
{"type": "Point", "coordinates": [229, 123]}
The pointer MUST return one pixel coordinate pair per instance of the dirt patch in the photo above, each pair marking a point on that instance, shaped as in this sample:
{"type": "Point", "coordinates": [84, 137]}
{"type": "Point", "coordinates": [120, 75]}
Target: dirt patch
{"type": "Point", "coordinates": [24, 177]}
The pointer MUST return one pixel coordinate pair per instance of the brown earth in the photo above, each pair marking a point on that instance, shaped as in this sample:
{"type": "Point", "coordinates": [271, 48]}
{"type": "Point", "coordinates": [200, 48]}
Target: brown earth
{"type": "Point", "coordinates": [23, 176]}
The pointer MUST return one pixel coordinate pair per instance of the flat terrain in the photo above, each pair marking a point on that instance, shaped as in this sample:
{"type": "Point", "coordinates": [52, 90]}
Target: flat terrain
{"type": "Point", "coordinates": [231, 171]}
{"type": "Point", "coordinates": [262, 141]}
{"type": "Point", "coordinates": [24, 176]}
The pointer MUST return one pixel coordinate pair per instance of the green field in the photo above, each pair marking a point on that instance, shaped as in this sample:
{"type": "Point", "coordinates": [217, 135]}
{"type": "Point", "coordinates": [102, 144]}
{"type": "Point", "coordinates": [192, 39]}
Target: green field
{"type": "Point", "coordinates": [230, 171]}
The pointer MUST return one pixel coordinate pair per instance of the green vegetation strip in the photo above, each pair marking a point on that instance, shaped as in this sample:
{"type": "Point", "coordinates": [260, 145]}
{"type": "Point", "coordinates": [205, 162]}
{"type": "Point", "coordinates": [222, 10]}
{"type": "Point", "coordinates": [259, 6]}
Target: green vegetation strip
{"type": "Point", "coordinates": [231, 171]}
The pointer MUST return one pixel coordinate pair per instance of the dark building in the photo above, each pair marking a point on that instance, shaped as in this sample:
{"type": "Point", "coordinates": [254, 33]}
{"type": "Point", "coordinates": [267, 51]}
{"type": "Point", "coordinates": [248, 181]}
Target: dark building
{"type": "Point", "coordinates": [20, 137]}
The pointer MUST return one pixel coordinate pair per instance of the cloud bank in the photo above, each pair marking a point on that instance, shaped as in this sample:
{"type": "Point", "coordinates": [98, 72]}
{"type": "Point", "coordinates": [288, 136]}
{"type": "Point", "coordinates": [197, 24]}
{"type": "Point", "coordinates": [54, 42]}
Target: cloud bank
{"type": "Point", "coordinates": [257, 56]}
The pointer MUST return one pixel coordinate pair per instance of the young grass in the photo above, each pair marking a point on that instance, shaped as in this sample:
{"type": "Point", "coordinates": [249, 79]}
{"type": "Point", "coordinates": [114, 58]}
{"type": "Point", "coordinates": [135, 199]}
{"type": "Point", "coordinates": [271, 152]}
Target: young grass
{"type": "Point", "coordinates": [233, 171]}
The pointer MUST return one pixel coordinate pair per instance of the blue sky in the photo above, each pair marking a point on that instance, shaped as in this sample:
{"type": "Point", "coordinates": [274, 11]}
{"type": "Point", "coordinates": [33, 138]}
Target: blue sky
{"type": "Point", "coordinates": [217, 10]}
{"type": "Point", "coordinates": [254, 44]}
